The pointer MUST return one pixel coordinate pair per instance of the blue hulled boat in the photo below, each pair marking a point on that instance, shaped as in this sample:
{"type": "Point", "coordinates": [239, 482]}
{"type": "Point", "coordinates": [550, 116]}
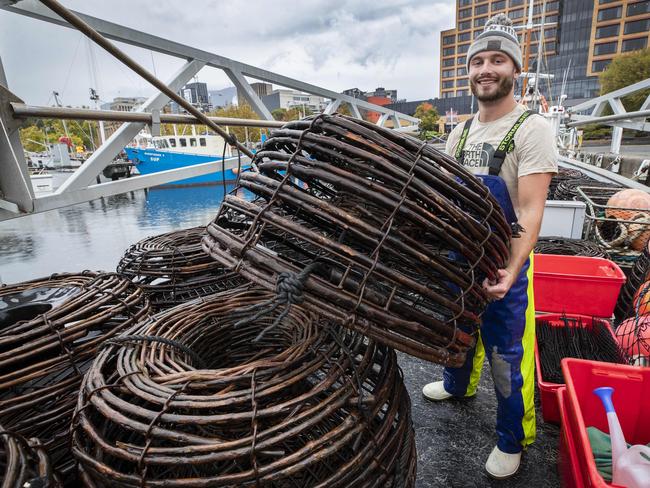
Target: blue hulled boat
{"type": "Point", "coordinates": [171, 152]}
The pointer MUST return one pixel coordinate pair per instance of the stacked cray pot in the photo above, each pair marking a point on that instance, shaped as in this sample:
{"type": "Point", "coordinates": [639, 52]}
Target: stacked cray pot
{"type": "Point", "coordinates": [268, 356]}
{"type": "Point", "coordinates": [632, 311]}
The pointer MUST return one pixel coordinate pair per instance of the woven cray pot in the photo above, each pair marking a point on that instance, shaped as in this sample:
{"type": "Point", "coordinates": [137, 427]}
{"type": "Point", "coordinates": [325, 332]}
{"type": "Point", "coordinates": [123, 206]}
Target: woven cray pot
{"type": "Point", "coordinates": [563, 174]}
{"type": "Point", "coordinates": [172, 268]}
{"type": "Point", "coordinates": [639, 274]}
{"type": "Point", "coordinates": [24, 463]}
{"type": "Point", "coordinates": [204, 395]}
{"type": "Point", "coordinates": [50, 330]}
{"type": "Point", "coordinates": [570, 247]}
{"type": "Point", "coordinates": [389, 236]}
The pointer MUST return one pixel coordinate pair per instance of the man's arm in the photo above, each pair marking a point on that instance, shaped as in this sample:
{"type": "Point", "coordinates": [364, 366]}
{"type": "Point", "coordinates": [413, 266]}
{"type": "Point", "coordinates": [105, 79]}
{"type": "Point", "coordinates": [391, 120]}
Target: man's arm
{"type": "Point", "coordinates": [532, 191]}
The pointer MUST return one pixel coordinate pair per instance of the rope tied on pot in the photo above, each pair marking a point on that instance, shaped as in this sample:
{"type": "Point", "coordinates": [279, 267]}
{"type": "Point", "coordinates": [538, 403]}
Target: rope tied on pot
{"type": "Point", "coordinates": [289, 290]}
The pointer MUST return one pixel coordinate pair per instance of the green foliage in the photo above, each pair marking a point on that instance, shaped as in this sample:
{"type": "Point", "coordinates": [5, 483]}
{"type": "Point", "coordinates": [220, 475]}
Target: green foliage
{"type": "Point", "coordinates": [625, 70]}
{"type": "Point", "coordinates": [294, 113]}
{"type": "Point", "coordinates": [280, 114]}
{"type": "Point", "coordinates": [595, 131]}
{"type": "Point", "coordinates": [428, 116]}
{"type": "Point", "coordinates": [34, 133]}
{"type": "Point", "coordinates": [344, 109]}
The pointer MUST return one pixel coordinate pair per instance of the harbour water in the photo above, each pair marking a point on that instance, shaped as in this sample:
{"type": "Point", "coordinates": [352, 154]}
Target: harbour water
{"type": "Point", "coordinates": [94, 235]}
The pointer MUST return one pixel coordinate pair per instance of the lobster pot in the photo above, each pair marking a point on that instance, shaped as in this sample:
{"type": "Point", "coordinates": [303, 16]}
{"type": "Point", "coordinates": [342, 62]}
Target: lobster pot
{"type": "Point", "coordinates": [24, 462]}
{"type": "Point", "coordinates": [391, 237]}
{"type": "Point", "coordinates": [206, 395]}
{"type": "Point", "coordinates": [172, 268]}
{"type": "Point", "coordinates": [50, 330]}
{"type": "Point", "coordinates": [639, 273]}
{"type": "Point", "coordinates": [569, 247]}
{"type": "Point", "coordinates": [567, 187]}
{"type": "Point", "coordinates": [562, 175]}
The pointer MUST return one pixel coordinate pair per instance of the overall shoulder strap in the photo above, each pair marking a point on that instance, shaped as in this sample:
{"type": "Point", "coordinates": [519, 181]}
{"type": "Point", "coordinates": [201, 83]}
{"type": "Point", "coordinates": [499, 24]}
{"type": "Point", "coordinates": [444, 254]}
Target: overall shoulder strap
{"type": "Point", "coordinates": [506, 145]}
{"type": "Point", "coordinates": [463, 139]}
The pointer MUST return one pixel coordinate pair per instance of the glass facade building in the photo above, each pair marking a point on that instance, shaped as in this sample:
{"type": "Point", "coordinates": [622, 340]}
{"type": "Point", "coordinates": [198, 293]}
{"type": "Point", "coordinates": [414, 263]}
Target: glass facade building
{"type": "Point", "coordinates": [581, 37]}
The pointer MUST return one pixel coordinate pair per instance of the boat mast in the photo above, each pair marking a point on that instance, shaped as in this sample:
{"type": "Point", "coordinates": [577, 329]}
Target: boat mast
{"type": "Point", "coordinates": [540, 51]}
{"type": "Point", "coordinates": [58, 104]}
{"type": "Point", "coordinates": [527, 34]}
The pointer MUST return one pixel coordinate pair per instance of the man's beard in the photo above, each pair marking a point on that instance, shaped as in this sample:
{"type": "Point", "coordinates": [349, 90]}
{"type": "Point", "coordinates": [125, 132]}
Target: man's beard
{"type": "Point", "coordinates": [504, 86]}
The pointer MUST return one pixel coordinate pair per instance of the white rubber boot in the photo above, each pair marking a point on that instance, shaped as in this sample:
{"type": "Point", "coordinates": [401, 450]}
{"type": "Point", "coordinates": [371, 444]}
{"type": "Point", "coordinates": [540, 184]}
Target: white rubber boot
{"type": "Point", "coordinates": [435, 391]}
{"type": "Point", "coordinates": [501, 465]}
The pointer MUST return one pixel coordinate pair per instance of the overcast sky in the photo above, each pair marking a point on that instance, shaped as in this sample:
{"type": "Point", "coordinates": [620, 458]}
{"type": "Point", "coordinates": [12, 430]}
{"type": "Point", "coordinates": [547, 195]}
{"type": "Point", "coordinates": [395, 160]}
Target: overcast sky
{"type": "Point", "coordinates": [335, 44]}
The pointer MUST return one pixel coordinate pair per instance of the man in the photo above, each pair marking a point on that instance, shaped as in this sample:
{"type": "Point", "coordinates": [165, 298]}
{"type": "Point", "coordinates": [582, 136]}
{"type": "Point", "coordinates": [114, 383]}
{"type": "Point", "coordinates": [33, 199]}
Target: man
{"type": "Point", "coordinates": [516, 149]}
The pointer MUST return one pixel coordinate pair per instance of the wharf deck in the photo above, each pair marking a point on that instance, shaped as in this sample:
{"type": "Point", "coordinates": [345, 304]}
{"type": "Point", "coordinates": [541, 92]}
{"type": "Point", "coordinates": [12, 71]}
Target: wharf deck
{"type": "Point", "coordinates": [455, 437]}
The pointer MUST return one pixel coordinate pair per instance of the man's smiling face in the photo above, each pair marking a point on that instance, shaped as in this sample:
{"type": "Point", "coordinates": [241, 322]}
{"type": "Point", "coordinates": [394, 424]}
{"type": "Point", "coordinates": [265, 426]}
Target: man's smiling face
{"type": "Point", "coordinates": [491, 75]}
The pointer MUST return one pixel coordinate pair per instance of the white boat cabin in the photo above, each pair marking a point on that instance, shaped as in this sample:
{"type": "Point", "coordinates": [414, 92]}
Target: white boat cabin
{"type": "Point", "coordinates": [192, 144]}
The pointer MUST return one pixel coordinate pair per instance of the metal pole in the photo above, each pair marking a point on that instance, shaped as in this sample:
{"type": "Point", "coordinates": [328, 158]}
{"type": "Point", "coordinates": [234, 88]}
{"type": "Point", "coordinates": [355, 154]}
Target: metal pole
{"type": "Point", "coordinates": [617, 136]}
{"type": "Point", "coordinates": [527, 33]}
{"type": "Point", "coordinates": [640, 114]}
{"type": "Point", "coordinates": [540, 49]}
{"type": "Point", "coordinates": [86, 29]}
{"type": "Point", "coordinates": [23, 111]}
{"type": "Point", "coordinates": [58, 104]}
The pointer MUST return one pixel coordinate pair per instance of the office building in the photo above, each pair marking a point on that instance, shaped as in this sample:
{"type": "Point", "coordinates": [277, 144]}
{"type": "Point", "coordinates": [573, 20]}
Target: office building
{"type": "Point", "coordinates": [287, 99]}
{"type": "Point", "coordinates": [261, 90]}
{"type": "Point", "coordinates": [580, 39]}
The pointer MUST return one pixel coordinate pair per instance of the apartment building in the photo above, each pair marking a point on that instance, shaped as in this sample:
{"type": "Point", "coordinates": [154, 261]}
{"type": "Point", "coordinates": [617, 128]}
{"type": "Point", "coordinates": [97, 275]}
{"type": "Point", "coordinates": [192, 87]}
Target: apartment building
{"type": "Point", "coordinates": [580, 38]}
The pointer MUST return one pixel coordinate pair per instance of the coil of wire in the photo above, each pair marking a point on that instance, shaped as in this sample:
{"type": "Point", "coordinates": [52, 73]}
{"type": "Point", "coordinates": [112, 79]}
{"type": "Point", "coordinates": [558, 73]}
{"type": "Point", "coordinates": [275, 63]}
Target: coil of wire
{"type": "Point", "coordinates": [172, 268]}
{"type": "Point", "coordinates": [24, 463]}
{"type": "Point", "coordinates": [50, 331]}
{"type": "Point", "coordinates": [190, 398]}
{"type": "Point", "coordinates": [569, 247]}
{"type": "Point", "coordinates": [401, 234]}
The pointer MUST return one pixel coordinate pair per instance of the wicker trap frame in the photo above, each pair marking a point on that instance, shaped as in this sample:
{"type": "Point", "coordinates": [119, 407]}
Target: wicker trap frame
{"type": "Point", "coordinates": [24, 463]}
{"type": "Point", "coordinates": [396, 236]}
{"type": "Point", "coordinates": [196, 397]}
{"type": "Point", "coordinates": [50, 330]}
{"type": "Point", "coordinates": [172, 268]}
{"type": "Point", "coordinates": [639, 274]}
{"type": "Point", "coordinates": [569, 247]}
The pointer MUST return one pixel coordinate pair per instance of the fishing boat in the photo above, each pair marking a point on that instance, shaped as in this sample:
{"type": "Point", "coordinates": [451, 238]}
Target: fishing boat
{"type": "Point", "coordinates": [179, 151]}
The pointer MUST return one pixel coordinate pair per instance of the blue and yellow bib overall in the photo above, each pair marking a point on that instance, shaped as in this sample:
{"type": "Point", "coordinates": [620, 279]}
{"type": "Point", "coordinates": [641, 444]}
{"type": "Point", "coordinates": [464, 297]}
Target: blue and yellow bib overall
{"type": "Point", "coordinates": [507, 333]}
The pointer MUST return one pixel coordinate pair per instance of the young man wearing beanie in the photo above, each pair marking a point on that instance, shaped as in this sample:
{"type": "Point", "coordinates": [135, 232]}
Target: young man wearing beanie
{"type": "Point", "coordinates": [515, 150]}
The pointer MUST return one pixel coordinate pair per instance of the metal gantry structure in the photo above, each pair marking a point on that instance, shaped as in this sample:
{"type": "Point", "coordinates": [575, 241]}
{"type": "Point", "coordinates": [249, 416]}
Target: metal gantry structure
{"type": "Point", "coordinates": [591, 112]}
{"type": "Point", "coordinates": [16, 194]}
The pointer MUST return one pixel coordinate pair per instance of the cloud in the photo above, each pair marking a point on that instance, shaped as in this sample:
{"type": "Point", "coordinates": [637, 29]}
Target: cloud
{"type": "Point", "coordinates": [335, 44]}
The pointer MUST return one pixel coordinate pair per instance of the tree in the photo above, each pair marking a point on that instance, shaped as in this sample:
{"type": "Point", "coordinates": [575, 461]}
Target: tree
{"type": "Point", "coordinates": [344, 109]}
{"type": "Point", "coordinates": [428, 116]}
{"type": "Point", "coordinates": [33, 133]}
{"type": "Point", "coordinates": [625, 70]}
{"type": "Point", "coordinates": [280, 114]}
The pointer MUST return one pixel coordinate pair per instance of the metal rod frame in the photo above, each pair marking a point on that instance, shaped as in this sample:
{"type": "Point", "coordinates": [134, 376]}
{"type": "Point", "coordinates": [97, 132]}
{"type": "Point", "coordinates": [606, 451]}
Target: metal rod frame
{"type": "Point", "coordinates": [22, 110]}
{"type": "Point", "coordinates": [592, 113]}
{"type": "Point", "coordinates": [16, 194]}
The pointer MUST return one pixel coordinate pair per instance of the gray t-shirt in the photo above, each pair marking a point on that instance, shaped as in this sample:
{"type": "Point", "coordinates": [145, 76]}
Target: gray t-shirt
{"type": "Point", "coordinates": [534, 148]}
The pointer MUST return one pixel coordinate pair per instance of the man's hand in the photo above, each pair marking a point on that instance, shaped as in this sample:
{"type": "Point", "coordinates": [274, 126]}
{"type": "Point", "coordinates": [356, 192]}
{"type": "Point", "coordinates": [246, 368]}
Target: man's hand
{"type": "Point", "coordinates": [496, 290]}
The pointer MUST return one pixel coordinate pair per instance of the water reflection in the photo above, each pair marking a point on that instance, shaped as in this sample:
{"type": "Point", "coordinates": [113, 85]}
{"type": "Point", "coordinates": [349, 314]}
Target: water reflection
{"type": "Point", "coordinates": [94, 235]}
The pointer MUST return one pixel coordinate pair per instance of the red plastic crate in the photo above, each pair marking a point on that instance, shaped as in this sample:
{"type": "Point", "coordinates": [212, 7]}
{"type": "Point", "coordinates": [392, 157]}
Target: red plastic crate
{"type": "Point", "coordinates": [567, 462]}
{"type": "Point", "coordinates": [584, 409]}
{"type": "Point", "coordinates": [576, 284]}
{"type": "Point", "coordinates": [548, 390]}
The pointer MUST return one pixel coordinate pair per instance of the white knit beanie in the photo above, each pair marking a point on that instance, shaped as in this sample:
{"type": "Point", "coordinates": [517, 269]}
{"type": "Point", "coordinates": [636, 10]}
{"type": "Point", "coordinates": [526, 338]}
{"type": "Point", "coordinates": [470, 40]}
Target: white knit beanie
{"type": "Point", "coordinates": [498, 35]}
